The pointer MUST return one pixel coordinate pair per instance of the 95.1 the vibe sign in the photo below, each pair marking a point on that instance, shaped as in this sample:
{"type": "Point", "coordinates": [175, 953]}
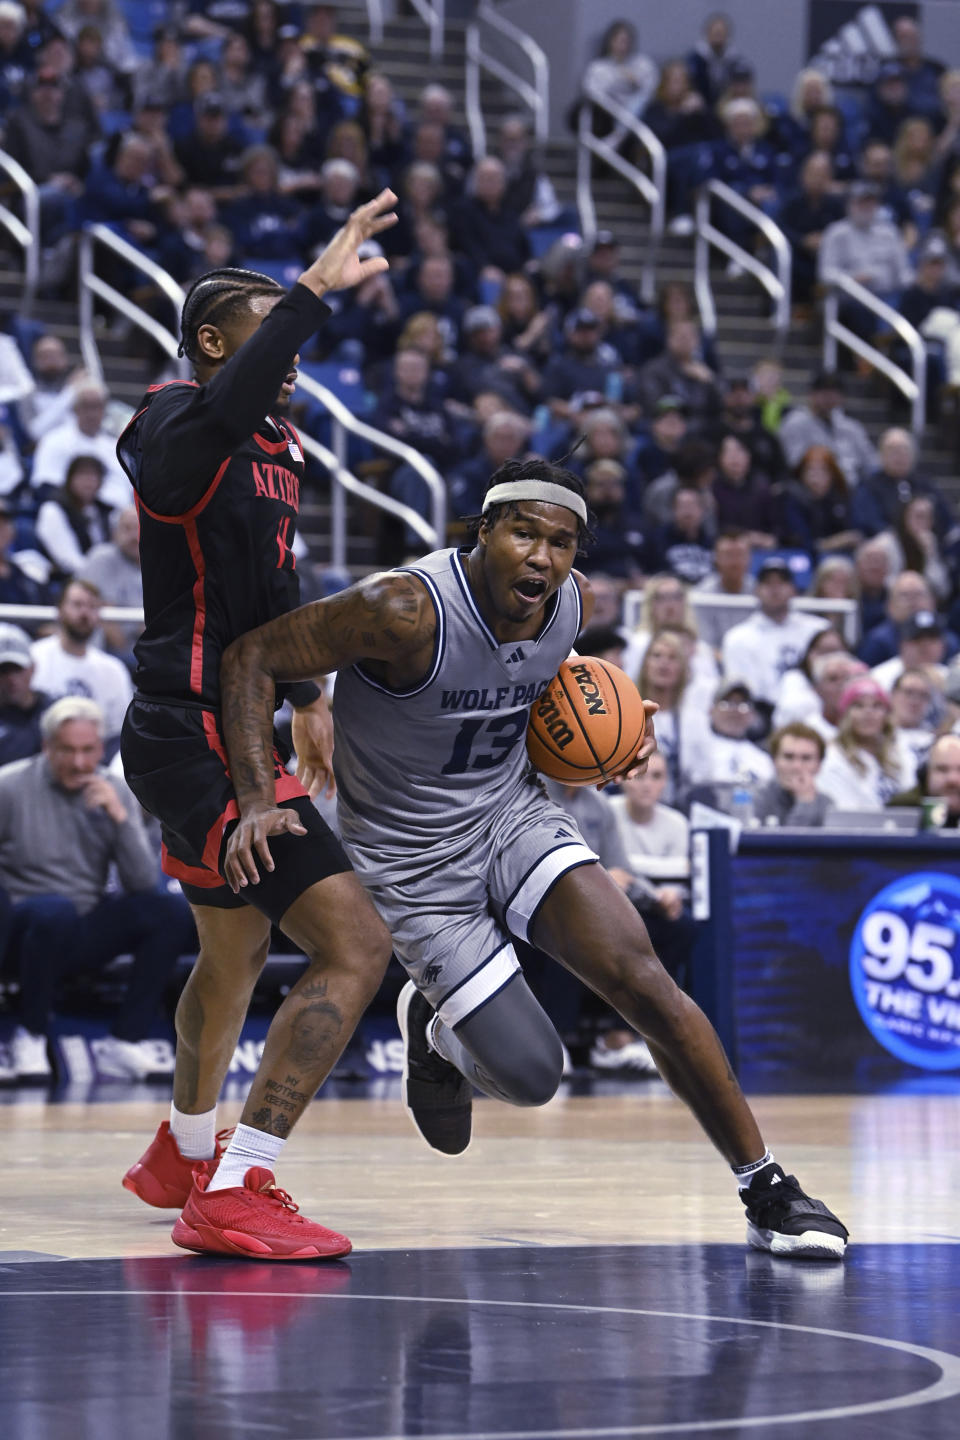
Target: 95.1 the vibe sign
{"type": "Point", "coordinates": [905, 969]}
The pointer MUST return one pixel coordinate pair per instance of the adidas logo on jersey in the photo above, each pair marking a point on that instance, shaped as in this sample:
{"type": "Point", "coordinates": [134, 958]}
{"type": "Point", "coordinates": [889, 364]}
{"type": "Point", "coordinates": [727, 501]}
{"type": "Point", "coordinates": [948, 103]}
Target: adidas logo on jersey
{"type": "Point", "coordinates": [516, 657]}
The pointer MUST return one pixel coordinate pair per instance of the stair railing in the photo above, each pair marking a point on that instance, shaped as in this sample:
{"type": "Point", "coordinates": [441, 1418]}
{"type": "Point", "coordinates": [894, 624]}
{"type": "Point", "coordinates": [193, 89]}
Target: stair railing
{"type": "Point", "coordinates": [651, 188]}
{"type": "Point", "coordinates": [835, 332]}
{"type": "Point", "coordinates": [534, 92]}
{"type": "Point", "coordinates": [26, 231]}
{"type": "Point", "coordinates": [775, 279]}
{"type": "Point", "coordinates": [343, 422]}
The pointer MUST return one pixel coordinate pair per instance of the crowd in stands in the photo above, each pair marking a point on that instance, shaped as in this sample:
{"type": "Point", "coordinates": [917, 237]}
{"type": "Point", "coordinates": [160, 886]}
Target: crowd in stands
{"type": "Point", "coordinates": [245, 133]}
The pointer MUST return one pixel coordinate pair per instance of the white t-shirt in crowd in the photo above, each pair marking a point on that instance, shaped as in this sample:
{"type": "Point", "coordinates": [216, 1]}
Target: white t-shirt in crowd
{"type": "Point", "coordinates": [721, 760]}
{"type": "Point", "coordinates": [869, 789]}
{"type": "Point", "coordinates": [797, 698]}
{"type": "Point", "coordinates": [761, 651]}
{"type": "Point", "coordinates": [95, 675]}
{"type": "Point", "coordinates": [666, 836]}
{"type": "Point", "coordinates": [60, 445]}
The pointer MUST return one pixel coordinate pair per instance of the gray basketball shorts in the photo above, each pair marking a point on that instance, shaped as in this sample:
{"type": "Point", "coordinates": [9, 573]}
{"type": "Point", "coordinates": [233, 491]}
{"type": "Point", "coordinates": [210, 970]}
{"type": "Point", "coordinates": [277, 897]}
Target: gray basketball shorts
{"type": "Point", "coordinates": [451, 928]}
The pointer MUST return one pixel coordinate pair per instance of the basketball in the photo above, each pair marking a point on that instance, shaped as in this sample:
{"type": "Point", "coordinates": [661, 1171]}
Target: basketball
{"type": "Point", "coordinates": [587, 724]}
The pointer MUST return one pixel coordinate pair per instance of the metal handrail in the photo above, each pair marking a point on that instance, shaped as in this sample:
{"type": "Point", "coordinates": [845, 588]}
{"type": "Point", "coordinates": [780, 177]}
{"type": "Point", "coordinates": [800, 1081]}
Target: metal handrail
{"type": "Point", "coordinates": [845, 610]}
{"type": "Point", "coordinates": [651, 188]}
{"type": "Point", "coordinates": [535, 96]}
{"type": "Point", "coordinates": [92, 286]}
{"type": "Point", "coordinates": [431, 12]}
{"type": "Point", "coordinates": [343, 421]}
{"type": "Point", "coordinates": [776, 282]}
{"type": "Point", "coordinates": [25, 232]}
{"type": "Point", "coordinates": [913, 388]}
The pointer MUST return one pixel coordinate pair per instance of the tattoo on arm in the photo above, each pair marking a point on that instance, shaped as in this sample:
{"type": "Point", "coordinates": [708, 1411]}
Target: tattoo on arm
{"type": "Point", "coordinates": [383, 618]}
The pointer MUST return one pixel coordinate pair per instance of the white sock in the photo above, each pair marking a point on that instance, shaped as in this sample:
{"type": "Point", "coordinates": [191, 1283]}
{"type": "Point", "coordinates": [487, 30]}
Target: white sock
{"type": "Point", "coordinates": [196, 1135]}
{"type": "Point", "coordinates": [743, 1174]}
{"type": "Point", "coordinates": [248, 1147]}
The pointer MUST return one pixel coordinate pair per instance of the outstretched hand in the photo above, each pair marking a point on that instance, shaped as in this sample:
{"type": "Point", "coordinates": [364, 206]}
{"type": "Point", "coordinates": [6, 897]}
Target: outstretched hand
{"type": "Point", "coordinates": [339, 266]}
{"type": "Point", "coordinates": [648, 745]}
{"type": "Point", "coordinates": [250, 840]}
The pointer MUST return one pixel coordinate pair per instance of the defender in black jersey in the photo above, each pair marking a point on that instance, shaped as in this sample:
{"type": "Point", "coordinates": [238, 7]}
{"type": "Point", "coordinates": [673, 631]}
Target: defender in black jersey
{"type": "Point", "coordinates": [217, 474]}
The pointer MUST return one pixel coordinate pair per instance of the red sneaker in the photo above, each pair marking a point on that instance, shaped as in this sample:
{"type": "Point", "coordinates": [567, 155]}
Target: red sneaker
{"type": "Point", "coordinates": [254, 1219]}
{"type": "Point", "coordinates": [162, 1176]}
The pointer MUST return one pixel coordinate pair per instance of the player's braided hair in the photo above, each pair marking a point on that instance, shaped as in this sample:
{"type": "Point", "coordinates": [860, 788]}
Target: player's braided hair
{"type": "Point", "coordinates": [532, 467]}
{"type": "Point", "coordinates": [217, 296]}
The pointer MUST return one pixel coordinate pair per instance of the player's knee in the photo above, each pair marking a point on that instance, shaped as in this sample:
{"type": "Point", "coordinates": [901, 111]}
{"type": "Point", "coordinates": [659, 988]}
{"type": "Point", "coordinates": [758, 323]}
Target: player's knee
{"type": "Point", "coordinates": [534, 1078]}
{"type": "Point", "coordinates": [634, 975]}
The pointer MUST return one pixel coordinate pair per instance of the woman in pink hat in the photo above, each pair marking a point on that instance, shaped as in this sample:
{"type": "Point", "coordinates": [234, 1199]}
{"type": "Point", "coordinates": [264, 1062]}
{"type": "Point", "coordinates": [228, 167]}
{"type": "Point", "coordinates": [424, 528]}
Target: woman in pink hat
{"type": "Point", "coordinates": [867, 762]}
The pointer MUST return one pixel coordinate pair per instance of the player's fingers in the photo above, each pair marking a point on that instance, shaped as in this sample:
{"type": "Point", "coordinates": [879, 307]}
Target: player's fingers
{"type": "Point", "coordinates": [383, 222]}
{"type": "Point", "coordinates": [374, 266]}
{"type": "Point", "coordinates": [650, 708]}
{"type": "Point", "coordinates": [262, 847]}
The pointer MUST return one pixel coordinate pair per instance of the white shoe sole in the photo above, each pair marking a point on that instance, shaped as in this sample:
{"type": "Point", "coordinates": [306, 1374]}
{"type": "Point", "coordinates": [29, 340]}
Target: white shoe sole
{"type": "Point", "coordinates": [811, 1245]}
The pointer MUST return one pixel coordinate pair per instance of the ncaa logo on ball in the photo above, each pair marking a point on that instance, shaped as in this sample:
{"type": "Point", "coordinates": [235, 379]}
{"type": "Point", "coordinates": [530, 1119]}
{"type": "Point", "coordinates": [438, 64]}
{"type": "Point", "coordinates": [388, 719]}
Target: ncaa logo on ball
{"type": "Point", "coordinates": [589, 689]}
{"type": "Point", "coordinates": [905, 969]}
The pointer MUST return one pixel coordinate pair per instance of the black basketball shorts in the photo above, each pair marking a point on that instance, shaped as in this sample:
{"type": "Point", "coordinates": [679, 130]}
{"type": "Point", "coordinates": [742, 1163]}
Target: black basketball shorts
{"type": "Point", "coordinates": [175, 762]}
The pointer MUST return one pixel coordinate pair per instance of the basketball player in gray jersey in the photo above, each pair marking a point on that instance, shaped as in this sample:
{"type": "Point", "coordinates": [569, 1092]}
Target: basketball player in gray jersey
{"type": "Point", "coordinates": [450, 831]}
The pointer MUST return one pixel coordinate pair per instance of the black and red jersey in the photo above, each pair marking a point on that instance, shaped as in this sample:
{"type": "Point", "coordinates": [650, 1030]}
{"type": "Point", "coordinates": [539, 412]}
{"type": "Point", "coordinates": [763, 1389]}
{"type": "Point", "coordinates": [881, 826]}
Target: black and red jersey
{"type": "Point", "coordinates": [217, 479]}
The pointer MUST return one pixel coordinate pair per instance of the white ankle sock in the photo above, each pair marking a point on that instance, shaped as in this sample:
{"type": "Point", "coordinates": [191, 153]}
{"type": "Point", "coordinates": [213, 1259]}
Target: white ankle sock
{"type": "Point", "coordinates": [248, 1147]}
{"type": "Point", "coordinates": [743, 1174]}
{"type": "Point", "coordinates": [196, 1135]}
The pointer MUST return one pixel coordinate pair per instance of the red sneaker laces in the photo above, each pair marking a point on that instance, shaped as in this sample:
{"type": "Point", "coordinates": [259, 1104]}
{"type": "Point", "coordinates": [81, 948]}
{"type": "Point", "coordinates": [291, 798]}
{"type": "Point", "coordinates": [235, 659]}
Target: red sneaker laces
{"type": "Point", "coordinates": [273, 1192]}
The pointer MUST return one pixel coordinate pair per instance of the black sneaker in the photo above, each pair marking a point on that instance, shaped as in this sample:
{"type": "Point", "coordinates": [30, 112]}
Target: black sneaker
{"type": "Point", "coordinates": [785, 1221]}
{"type": "Point", "coordinates": [438, 1099]}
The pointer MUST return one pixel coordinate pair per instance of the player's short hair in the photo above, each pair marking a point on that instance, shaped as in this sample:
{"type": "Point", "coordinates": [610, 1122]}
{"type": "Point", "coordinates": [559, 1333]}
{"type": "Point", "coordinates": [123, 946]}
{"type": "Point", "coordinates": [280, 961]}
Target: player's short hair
{"type": "Point", "coordinates": [71, 707]}
{"type": "Point", "coordinates": [218, 296]}
{"type": "Point", "coordinates": [532, 467]}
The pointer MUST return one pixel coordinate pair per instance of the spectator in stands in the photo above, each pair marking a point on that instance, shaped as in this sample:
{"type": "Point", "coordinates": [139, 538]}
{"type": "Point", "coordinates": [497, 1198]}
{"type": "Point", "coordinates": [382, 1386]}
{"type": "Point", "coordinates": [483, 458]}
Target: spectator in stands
{"type": "Point", "coordinates": [427, 148]}
{"type": "Point", "coordinates": [244, 89]}
{"type": "Point", "coordinates": [917, 700]}
{"type": "Point", "coordinates": [730, 576]}
{"type": "Point", "coordinates": [890, 102]}
{"type": "Point", "coordinates": [938, 778]}
{"type": "Point", "coordinates": [866, 764]}
{"type": "Point", "coordinates": [714, 60]}
{"type": "Point", "coordinates": [163, 80]}
{"type": "Point", "coordinates": [23, 574]}
{"type": "Point", "coordinates": [433, 292]}
{"type": "Point", "coordinates": [265, 223]}
{"type": "Point", "coordinates": [878, 501]}
{"type": "Point", "coordinates": [678, 114]}
{"type": "Point", "coordinates": [529, 190]}
{"type": "Point", "coordinates": [792, 797]}
{"type": "Point", "coordinates": [106, 17]}
{"type": "Point", "coordinates": [921, 73]}
{"type": "Point", "coordinates": [149, 122]}
{"type": "Point", "coordinates": [51, 145]}
{"type": "Point", "coordinates": [655, 839]}
{"type": "Point", "coordinates": [743, 496]}
{"type": "Point", "coordinates": [68, 663]}
{"type": "Point", "coordinates": [209, 154]}
{"type": "Point", "coordinates": [835, 578]}
{"type": "Point", "coordinates": [74, 519]}
{"type": "Point", "coordinates": [831, 673]}
{"type": "Point", "coordinates": [872, 571]}
{"type": "Point", "coordinates": [485, 363]}
{"type": "Point", "coordinates": [725, 755]}
{"type": "Point", "coordinates": [816, 513]}
{"type": "Point", "coordinates": [667, 605]}
{"type": "Point", "coordinates": [604, 263]}
{"type": "Point", "coordinates": [912, 543]}
{"type": "Point", "coordinates": [684, 546]}
{"type": "Point", "coordinates": [681, 371]}
{"type": "Point", "coordinates": [740, 415]}
{"type": "Point", "coordinates": [339, 185]}
{"type": "Point", "coordinates": [659, 451]}
{"type": "Point", "coordinates": [804, 216]}
{"type": "Point", "coordinates": [335, 61]}
{"type": "Point", "coordinates": [948, 140]}
{"type": "Point", "coordinates": [526, 328]}
{"type": "Point", "coordinates": [907, 594]}
{"type": "Point", "coordinates": [83, 434]}
{"type": "Point", "coordinates": [102, 81]}
{"type": "Point", "coordinates": [57, 58]}
{"type": "Point", "coordinates": [798, 697]}
{"type": "Point", "coordinates": [50, 400]}
{"type": "Point", "coordinates": [922, 645]}
{"type": "Point", "coordinates": [113, 567]}
{"type": "Point", "coordinates": [827, 137]}
{"type": "Point", "coordinates": [762, 648]}
{"type": "Point", "coordinates": [64, 823]}
{"type": "Point", "coordinates": [382, 119]}
{"type": "Point", "coordinates": [619, 547]}
{"type": "Point", "coordinates": [823, 421]}
{"type": "Point", "coordinates": [489, 234]}
{"type": "Point", "coordinates": [621, 74]}
{"type": "Point", "coordinates": [15, 63]}
{"type": "Point", "coordinates": [876, 168]}
{"type": "Point", "coordinates": [694, 467]}
{"type": "Point", "coordinates": [124, 196]}
{"type": "Point", "coordinates": [665, 677]}
{"type": "Point", "coordinates": [183, 247]}
{"type": "Point", "coordinates": [932, 304]}
{"type": "Point", "coordinates": [585, 366]}
{"type": "Point", "coordinates": [811, 92]}
{"type": "Point", "coordinates": [422, 200]}
{"type": "Point", "coordinates": [866, 248]}
{"type": "Point", "coordinates": [505, 436]}
{"type": "Point", "coordinates": [915, 167]}
{"type": "Point", "coordinates": [20, 705]}
{"type": "Point", "coordinates": [746, 162]}
{"type": "Point", "coordinates": [408, 412]}
{"type": "Point", "coordinates": [436, 108]}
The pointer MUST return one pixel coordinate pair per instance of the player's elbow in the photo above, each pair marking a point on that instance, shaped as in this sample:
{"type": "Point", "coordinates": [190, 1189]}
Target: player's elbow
{"type": "Point", "coordinates": [245, 657]}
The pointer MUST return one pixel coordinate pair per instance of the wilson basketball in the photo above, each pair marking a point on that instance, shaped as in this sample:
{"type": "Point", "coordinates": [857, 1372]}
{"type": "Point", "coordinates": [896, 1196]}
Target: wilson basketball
{"type": "Point", "coordinates": [587, 724]}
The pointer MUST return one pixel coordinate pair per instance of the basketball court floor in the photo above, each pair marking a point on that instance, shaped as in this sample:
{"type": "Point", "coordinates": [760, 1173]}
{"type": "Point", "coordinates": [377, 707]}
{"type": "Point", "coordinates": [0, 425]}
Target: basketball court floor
{"type": "Point", "coordinates": [580, 1273]}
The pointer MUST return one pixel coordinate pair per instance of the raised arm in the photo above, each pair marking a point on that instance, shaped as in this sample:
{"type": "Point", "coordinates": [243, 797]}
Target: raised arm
{"type": "Point", "coordinates": [387, 620]}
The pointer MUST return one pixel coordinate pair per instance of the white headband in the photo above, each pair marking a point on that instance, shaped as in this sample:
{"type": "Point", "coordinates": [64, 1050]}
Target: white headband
{"type": "Point", "coordinates": [540, 490]}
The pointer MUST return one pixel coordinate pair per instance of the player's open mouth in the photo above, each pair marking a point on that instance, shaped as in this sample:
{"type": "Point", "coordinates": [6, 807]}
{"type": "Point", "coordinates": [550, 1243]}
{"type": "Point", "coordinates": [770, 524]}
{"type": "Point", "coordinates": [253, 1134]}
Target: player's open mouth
{"type": "Point", "coordinates": [531, 590]}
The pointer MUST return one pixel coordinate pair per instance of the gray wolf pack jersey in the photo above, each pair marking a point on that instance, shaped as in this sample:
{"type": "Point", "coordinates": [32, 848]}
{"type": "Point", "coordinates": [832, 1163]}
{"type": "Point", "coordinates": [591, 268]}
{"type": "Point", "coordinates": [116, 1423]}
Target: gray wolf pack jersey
{"type": "Point", "coordinates": [439, 810]}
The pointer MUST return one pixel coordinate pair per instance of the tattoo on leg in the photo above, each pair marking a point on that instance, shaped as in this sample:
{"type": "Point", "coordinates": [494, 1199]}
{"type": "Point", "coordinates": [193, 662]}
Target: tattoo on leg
{"type": "Point", "coordinates": [282, 1126]}
{"type": "Point", "coordinates": [316, 1035]}
{"type": "Point", "coordinates": [261, 1119]}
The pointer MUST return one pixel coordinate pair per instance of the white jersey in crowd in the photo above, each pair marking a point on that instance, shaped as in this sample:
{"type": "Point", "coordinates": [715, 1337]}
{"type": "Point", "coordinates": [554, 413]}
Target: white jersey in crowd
{"type": "Point", "coordinates": [95, 675]}
{"type": "Point", "coordinates": [422, 772]}
{"type": "Point", "coordinates": [722, 760]}
{"type": "Point", "coordinates": [761, 651]}
{"type": "Point", "coordinates": [867, 786]}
